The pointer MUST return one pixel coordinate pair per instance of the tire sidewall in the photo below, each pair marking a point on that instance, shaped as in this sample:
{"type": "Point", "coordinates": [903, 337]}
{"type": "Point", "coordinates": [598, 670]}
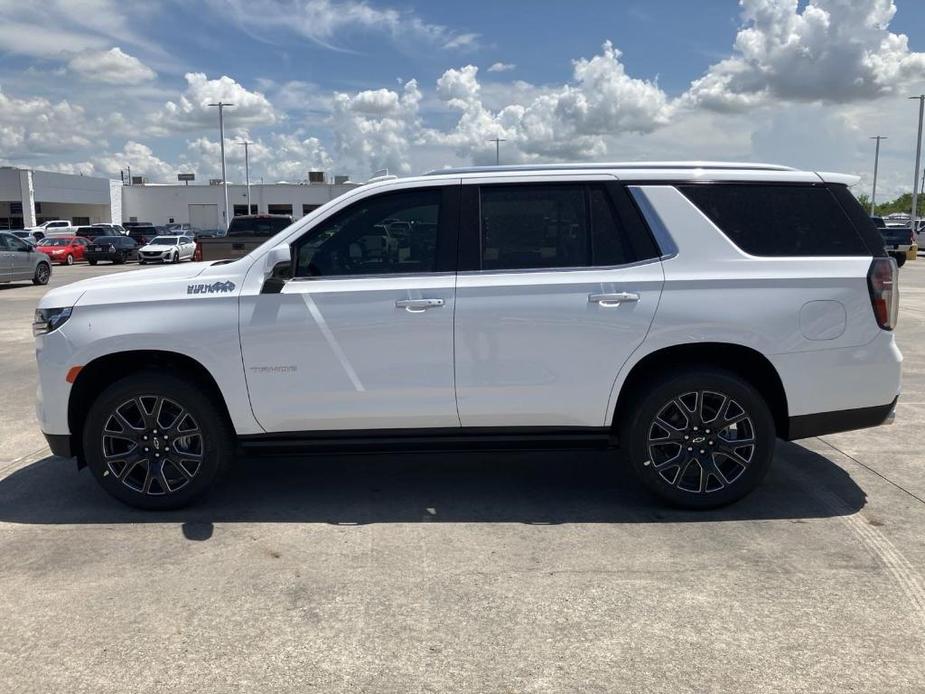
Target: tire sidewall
{"type": "Point", "coordinates": [216, 436]}
{"type": "Point", "coordinates": [658, 394]}
{"type": "Point", "coordinates": [39, 278]}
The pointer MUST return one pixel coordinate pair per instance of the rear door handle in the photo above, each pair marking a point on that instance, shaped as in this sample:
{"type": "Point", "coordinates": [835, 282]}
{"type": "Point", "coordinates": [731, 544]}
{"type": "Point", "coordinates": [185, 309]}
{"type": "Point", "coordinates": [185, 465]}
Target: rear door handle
{"type": "Point", "coordinates": [614, 299]}
{"type": "Point", "coordinates": [418, 305]}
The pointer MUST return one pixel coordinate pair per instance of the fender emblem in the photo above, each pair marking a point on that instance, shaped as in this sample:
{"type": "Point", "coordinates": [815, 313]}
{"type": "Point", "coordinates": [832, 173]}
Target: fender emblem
{"type": "Point", "coordinates": [214, 288]}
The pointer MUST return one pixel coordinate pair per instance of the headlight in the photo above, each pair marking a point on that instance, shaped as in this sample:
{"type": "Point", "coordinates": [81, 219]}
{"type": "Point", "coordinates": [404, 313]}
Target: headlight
{"type": "Point", "coordinates": [48, 319]}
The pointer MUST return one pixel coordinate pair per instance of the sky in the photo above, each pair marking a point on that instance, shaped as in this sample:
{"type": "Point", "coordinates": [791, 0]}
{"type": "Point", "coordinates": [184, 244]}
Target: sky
{"type": "Point", "coordinates": [356, 86]}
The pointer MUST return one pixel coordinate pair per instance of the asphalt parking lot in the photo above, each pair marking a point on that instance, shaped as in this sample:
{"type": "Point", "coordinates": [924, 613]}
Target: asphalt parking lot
{"type": "Point", "coordinates": [476, 572]}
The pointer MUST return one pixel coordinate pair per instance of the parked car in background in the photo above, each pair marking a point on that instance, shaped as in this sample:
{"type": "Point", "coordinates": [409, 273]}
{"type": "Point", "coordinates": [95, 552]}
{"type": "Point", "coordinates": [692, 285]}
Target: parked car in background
{"type": "Point", "coordinates": [209, 233]}
{"type": "Point", "coordinates": [113, 229]}
{"type": "Point", "coordinates": [245, 233]}
{"type": "Point", "coordinates": [129, 225]}
{"type": "Point", "coordinates": [142, 234]}
{"type": "Point", "coordinates": [93, 232]}
{"type": "Point", "coordinates": [167, 249]}
{"type": "Point", "coordinates": [182, 228]}
{"type": "Point", "coordinates": [115, 249]}
{"type": "Point", "coordinates": [898, 240]}
{"type": "Point", "coordinates": [54, 227]}
{"type": "Point", "coordinates": [32, 237]}
{"type": "Point", "coordinates": [21, 261]}
{"type": "Point", "coordinates": [64, 250]}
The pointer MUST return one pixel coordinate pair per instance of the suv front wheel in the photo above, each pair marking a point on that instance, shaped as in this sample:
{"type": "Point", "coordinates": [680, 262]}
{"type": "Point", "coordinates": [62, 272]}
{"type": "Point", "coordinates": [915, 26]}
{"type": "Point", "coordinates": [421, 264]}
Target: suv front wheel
{"type": "Point", "coordinates": [700, 438]}
{"type": "Point", "coordinates": [155, 442]}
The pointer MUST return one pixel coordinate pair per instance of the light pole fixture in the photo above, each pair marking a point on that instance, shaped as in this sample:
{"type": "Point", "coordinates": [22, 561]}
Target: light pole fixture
{"type": "Point", "coordinates": [221, 138]}
{"type": "Point", "coordinates": [873, 192]}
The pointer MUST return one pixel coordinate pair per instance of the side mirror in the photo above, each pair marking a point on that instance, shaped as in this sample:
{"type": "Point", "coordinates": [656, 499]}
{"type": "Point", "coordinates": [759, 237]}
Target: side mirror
{"type": "Point", "coordinates": [277, 269]}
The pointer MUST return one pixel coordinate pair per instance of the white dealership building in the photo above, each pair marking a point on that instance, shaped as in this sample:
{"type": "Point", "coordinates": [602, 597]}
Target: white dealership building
{"type": "Point", "coordinates": [29, 197]}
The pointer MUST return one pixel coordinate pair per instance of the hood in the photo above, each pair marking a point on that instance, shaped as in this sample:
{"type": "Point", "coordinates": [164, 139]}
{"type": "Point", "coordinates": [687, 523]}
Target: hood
{"type": "Point", "coordinates": [148, 281]}
{"type": "Point", "coordinates": [154, 247]}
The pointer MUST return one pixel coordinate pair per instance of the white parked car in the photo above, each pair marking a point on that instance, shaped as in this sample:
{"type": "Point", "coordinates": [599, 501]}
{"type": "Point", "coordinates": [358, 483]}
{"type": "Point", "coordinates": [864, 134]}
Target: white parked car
{"type": "Point", "coordinates": [167, 249]}
{"type": "Point", "coordinates": [687, 314]}
{"type": "Point", "coordinates": [54, 227]}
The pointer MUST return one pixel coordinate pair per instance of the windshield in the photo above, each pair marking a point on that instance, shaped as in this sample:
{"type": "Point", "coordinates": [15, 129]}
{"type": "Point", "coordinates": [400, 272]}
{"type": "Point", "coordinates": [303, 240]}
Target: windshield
{"type": "Point", "coordinates": [165, 241]}
{"type": "Point", "coordinates": [21, 234]}
{"type": "Point", "coordinates": [56, 242]}
{"type": "Point", "coordinates": [257, 226]}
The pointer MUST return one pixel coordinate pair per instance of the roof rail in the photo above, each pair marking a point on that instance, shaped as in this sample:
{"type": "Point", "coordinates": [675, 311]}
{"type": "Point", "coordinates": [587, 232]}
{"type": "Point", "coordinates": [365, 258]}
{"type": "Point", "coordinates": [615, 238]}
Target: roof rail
{"type": "Point", "coordinates": [722, 165]}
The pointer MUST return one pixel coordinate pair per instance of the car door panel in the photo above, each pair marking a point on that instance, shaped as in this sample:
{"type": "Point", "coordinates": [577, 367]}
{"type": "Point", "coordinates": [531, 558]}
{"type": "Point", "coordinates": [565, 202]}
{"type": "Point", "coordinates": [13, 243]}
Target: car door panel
{"type": "Point", "coordinates": [339, 354]}
{"type": "Point", "coordinates": [359, 344]}
{"type": "Point", "coordinates": [6, 261]}
{"type": "Point", "coordinates": [543, 346]}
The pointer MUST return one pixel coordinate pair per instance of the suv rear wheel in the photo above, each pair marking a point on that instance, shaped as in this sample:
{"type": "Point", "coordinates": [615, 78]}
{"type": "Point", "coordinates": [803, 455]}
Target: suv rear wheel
{"type": "Point", "coordinates": [700, 438]}
{"type": "Point", "coordinates": [155, 442]}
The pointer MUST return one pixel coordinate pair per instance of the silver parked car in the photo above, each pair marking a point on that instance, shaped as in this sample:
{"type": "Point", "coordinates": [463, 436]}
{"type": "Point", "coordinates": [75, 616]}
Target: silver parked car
{"type": "Point", "coordinates": [21, 261]}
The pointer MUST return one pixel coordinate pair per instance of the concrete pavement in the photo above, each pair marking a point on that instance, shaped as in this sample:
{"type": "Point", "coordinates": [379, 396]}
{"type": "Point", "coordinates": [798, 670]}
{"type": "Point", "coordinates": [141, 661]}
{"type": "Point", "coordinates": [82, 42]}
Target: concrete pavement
{"type": "Point", "coordinates": [499, 572]}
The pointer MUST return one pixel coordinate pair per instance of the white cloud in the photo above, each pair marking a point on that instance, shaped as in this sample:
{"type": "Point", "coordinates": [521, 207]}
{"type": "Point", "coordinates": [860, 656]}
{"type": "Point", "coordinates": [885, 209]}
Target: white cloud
{"type": "Point", "coordinates": [570, 121]}
{"type": "Point", "coordinates": [829, 51]}
{"type": "Point", "coordinates": [37, 126]}
{"type": "Point", "coordinates": [192, 111]}
{"type": "Point", "coordinates": [501, 67]}
{"type": "Point", "coordinates": [375, 129]}
{"type": "Point", "coordinates": [55, 28]}
{"type": "Point", "coordinates": [140, 158]}
{"type": "Point", "coordinates": [112, 66]}
{"type": "Point", "coordinates": [325, 22]}
{"type": "Point", "coordinates": [283, 157]}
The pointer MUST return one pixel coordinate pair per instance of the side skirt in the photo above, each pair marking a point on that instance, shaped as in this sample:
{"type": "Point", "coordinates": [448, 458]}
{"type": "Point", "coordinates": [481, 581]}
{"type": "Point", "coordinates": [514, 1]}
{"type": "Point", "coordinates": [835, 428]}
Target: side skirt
{"type": "Point", "coordinates": [460, 438]}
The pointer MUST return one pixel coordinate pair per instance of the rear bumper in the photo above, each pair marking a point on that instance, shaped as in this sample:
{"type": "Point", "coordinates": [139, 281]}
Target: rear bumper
{"type": "Point", "coordinates": [819, 424]}
{"type": "Point", "coordinates": [60, 444]}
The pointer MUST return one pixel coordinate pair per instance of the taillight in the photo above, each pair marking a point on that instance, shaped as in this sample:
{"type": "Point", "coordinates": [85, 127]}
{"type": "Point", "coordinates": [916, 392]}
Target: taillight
{"type": "Point", "coordinates": [882, 281]}
{"type": "Point", "coordinates": [197, 254]}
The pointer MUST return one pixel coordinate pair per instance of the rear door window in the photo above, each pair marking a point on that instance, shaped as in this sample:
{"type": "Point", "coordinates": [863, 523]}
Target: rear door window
{"type": "Point", "coordinates": [778, 220]}
{"type": "Point", "coordinates": [541, 226]}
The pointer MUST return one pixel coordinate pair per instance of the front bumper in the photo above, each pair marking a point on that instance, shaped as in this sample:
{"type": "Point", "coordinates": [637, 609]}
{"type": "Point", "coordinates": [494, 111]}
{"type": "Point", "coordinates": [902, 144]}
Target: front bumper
{"type": "Point", "coordinates": [154, 257]}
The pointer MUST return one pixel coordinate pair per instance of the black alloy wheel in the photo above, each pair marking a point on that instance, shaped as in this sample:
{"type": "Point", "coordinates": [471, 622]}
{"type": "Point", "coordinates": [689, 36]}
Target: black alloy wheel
{"type": "Point", "coordinates": [156, 442]}
{"type": "Point", "coordinates": [42, 274]}
{"type": "Point", "coordinates": [700, 438]}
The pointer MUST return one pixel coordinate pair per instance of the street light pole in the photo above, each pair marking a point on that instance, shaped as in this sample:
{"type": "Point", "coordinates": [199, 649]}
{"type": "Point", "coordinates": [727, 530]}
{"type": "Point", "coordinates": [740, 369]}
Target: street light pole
{"type": "Point", "coordinates": [873, 193]}
{"type": "Point", "coordinates": [498, 141]}
{"type": "Point", "coordinates": [221, 133]}
{"type": "Point", "coordinates": [918, 161]}
{"type": "Point", "coordinates": [247, 174]}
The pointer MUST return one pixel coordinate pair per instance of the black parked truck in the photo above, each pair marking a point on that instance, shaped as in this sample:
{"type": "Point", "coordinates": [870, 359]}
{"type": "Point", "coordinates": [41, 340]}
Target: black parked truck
{"type": "Point", "coordinates": [245, 233]}
{"type": "Point", "coordinates": [897, 240]}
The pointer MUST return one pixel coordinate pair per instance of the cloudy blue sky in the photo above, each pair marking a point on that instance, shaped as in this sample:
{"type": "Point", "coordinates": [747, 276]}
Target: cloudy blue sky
{"type": "Point", "coordinates": [353, 86]}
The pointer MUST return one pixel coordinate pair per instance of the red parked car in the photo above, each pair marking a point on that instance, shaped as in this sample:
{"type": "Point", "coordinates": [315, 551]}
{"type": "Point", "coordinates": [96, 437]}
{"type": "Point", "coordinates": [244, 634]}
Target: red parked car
{"type": "Point", "coordinates": [64, 250]}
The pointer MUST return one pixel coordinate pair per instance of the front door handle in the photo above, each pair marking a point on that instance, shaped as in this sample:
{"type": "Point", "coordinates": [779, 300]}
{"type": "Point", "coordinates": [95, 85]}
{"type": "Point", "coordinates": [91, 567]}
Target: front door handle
{"type": "Point", "coordinates": [418, 305]}
{"type": "Point", "coordinates": [614, 299]}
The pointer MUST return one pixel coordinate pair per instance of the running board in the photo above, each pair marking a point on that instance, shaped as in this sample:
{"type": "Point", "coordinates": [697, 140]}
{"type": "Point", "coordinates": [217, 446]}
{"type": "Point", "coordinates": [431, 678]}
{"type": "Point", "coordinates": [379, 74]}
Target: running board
{"type": "Point", "coordinates": [460, 438]}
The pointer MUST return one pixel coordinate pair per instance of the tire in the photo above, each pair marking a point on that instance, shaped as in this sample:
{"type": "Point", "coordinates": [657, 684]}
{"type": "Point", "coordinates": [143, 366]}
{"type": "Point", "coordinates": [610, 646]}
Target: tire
{"type": "Point", "coordinates": [92, 262]}
{"type": "Point", "coordinates": [118, 260]}
{"type": "Point", "coordinates": [140, 261]}
{"type": "Point", "coordinates": [900, 259]}
{"type": "Point", "coordinates": [176, 258]}
{"type": "Point", "coordinates": [128, 473]}
{"type": "Point", "coordinates": [69, 260]}
{"type": "Point", "coordinates": [42, 274]}
{"type": "Point", "coordinates": [702, 471]}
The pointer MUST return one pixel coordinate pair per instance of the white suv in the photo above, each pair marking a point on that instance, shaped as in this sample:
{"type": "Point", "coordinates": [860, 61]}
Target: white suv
{"type": "Point", "coordinates": [689, 314]}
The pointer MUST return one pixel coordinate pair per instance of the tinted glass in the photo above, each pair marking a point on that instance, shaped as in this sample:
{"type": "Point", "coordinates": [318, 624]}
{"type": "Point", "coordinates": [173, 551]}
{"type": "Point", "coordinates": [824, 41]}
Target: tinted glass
{"type": "Point", "coordinates": [775, 220]}
{"type": "Point", "coordinates": [15, 244]}
{"type": "Point", "coordinates": [543, 226]}
{"type": "Point", "coordinates": [609, 242]}
{"type": "Point", "coordinates": [383, 234]}
{"type": "Point", "coordinates": [258, 226]}
{"type": "Point", "coordinates": [103, 240]}
{"type": "Point", "coordinates": [4, 246]}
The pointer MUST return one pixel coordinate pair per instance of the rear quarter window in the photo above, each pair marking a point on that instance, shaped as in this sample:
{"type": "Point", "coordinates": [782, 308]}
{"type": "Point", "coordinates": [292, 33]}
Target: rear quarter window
{"type": "Point", "coordinates": [779, 220]}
